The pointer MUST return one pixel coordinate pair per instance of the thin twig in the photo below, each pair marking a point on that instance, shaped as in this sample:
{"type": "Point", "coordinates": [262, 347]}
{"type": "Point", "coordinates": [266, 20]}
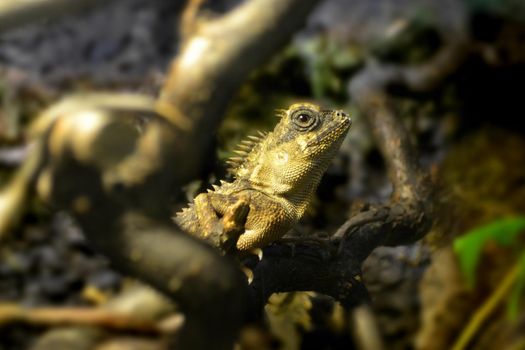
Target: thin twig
{"type": "Point", "coordinates": [51, 316]}
{"type": "Point", "coordinates": [189, 19]}
{"type": "Point", "coordinates": [14, 14]}
{"type": "Point", "coordinates": [488, 307]}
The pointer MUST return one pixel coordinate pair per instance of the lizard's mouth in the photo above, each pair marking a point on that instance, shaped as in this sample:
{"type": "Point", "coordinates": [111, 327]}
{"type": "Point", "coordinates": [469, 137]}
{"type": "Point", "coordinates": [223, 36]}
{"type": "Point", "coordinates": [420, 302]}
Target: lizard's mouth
{"type": "Point", "coordinates": [332, 133]}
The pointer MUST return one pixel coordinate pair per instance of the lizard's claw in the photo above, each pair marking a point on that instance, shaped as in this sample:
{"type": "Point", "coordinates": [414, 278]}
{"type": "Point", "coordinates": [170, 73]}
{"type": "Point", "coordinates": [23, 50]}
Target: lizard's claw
{"type": "Point", "coordinates": [248, 272]}
{"type": "Point", "coordinates": [259, 253]}
{"type": "Point", "coordinates": [256, 251]}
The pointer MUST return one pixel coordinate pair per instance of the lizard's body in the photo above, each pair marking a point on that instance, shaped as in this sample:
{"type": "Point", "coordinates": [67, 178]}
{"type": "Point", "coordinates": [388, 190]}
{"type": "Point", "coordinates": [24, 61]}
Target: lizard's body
{"type": "Point", "coordinates": [278, 172]}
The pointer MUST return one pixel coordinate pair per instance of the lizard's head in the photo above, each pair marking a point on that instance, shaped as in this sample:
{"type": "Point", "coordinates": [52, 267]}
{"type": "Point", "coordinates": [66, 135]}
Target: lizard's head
{"type": "Point", "coordinates": [293, 157]}
{"type": "Point", "coordinates": [313, 130]}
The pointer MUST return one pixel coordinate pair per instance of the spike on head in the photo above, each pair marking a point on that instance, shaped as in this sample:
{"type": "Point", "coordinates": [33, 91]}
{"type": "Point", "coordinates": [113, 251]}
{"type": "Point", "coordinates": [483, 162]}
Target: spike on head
{"type": "Point", "coordinates": [279, 112]}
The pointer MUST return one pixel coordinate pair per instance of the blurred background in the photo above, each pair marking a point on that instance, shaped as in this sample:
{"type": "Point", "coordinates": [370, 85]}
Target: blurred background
{"type": "Point", "coordinates": [466, 278]}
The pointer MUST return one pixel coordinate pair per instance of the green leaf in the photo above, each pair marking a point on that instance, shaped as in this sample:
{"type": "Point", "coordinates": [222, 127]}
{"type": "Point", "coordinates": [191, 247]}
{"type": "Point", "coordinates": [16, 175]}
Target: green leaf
{"type": "Point", "coordinates": [513, 305]}
{"type": "Point", "coordinates": [469, 246]}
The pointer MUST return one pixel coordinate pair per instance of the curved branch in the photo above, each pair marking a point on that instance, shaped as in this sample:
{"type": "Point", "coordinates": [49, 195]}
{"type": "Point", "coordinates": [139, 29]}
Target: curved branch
{"type": "Point", "coordinates": [120, 195]}
{"type": "Point", "coordinates": [216, 59]}
{"type": "Point", "coordinates": [306, 267]}
{"type": "Point", "coordinates": [405, 218]}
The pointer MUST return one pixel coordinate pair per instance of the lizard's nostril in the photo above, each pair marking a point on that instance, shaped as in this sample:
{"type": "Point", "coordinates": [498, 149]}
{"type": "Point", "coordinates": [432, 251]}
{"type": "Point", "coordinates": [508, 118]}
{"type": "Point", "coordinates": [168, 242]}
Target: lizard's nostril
{"type": "Point", "coordinates": [341, 114]}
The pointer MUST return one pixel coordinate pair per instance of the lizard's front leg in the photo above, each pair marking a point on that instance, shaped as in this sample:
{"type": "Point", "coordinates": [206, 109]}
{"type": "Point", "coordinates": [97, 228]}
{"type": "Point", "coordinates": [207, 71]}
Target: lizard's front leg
{"type": "Point", "coordinates": [212, 209]}
{"type": "Point", "coordinates": [207, 216]}
{"type": "Point", "coordinates": [268, 221]}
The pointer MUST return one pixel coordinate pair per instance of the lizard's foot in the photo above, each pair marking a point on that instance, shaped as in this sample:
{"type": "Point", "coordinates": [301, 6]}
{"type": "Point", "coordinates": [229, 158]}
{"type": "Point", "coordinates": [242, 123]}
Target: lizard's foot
{"type": "Point", "coordinates": [233, 223]}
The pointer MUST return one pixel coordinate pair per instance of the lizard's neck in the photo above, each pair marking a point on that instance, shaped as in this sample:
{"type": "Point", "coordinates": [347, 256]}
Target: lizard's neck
{"type": "Point", "coordinates": [294, 183]}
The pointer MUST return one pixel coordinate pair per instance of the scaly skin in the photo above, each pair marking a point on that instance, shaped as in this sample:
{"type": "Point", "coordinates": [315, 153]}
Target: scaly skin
{"type": "Point", "coordinates": [277, 172]}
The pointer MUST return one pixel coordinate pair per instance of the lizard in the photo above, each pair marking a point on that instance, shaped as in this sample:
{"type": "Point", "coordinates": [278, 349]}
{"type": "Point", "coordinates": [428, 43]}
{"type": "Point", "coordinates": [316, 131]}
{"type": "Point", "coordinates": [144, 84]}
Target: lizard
{"type": "Point", "coordinates": [276, 173]}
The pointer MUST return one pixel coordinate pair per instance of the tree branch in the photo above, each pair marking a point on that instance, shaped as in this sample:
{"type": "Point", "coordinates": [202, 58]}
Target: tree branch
{"type": "Point", "coordinates": [114, 173]}
{"type": "Point", "coordinates": [216, 59]}
{"type": "Point", "coordinates": [335, 268]}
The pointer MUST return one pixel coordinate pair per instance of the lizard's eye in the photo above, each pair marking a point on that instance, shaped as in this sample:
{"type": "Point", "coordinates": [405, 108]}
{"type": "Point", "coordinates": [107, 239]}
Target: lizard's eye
{"type": "Point", "coordinates": [305, 120]}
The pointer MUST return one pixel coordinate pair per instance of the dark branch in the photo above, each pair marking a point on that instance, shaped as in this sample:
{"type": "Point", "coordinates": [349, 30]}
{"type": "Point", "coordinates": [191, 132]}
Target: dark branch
{"type": "Point", "coordinates": [405, 218]}
{"type": "Point", "coordinates": [120, 199]}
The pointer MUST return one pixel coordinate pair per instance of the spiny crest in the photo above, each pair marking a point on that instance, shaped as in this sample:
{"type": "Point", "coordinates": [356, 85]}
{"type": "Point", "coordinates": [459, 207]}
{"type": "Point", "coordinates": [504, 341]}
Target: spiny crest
{"type": "Point", "coordinates": [184, 211]}
{"type": "Point", "coordinates": [280, 113]}
{"type": "Point", "coordinates": [244, 148]}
